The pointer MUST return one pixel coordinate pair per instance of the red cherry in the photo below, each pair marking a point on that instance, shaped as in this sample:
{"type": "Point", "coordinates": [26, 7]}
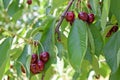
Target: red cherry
{"type": "Point", "coordinates": [70, 16]}
{"type": "Point", "coordinates": [29, 2]}
{"type": "Point", "coordinates": [114, 28]}
{"type": "Point", "coordinates": [34, 58]}
{"type": "Point", "coordinates": [44, 56]}
{"type": "Point", "coordinates": [90, 18]}
{"type": "Point", "coordinates": [83, 16]}
{"type": "Point", "coordinates": [109, 34]}
{"type": "Point", "coordinates": [40, 66]}
{"type": "Point", "coordinates": [33, 68]}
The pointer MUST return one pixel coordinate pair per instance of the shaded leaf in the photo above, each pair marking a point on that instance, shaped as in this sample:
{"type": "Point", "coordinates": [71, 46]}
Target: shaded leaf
{"type": "Point", "coordinates": [4, 59]}
{"type": "Point", "coordinates": [6, 3]}
{"type": "Point", "coordinates": [105, 12]}
{"type": "Point", "coordinates": [116, 75]}
{"type": "Point", "coordinates": [98, 41]}
{"type": "Point", "coordinates": [24, 59]}
{"type": "Point", "coordinates": [115, 9]}
{"type": "Point", "coordinates": [14, 8]}
{"type": "Point", "coordinates": [77, 42]}
{"type": "Point", "coordinates": [111, 51]}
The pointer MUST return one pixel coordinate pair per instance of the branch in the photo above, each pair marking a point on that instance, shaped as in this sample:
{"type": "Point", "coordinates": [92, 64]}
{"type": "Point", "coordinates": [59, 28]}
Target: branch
{"type": "Point", "coordinates": [29, 41]}
{"type": "Point", "coordinates": [61, 19]}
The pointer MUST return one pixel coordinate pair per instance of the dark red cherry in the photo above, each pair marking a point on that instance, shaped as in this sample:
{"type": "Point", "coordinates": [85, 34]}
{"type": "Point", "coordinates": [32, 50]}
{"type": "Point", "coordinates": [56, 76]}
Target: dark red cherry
{"type": "Point", "coordinates": [70, 16]}
{"type": "Point", "coordinates": [83, 16]}
{"type": "Point", "coordinates": [44, 56]}
{"type": "Point", "coordinates": [29, 2]}
{"type": "Point", "coordinates": [90, 18]}
{"type": "Point", "coordinates": [33, 68]}
{"type": "Point", "coordinates": [114, 28]}
{"type": "Point", "coordinates": [109, 34]}
{"type": "Point", "coordinates": [34, 58]}
{"type": "Point", "coordinates": [40, 66]}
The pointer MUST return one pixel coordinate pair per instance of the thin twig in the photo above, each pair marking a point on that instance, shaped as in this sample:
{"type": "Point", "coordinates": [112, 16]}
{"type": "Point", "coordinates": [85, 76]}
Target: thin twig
{"type": "Point", "coordinates": [61, 19]}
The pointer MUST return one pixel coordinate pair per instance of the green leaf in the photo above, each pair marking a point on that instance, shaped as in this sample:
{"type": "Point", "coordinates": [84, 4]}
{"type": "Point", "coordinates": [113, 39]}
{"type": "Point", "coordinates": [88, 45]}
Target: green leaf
{"type": "Point", "coordinates": [88, 55]}
{"type": "Point", "coordinates": [115, 9]}
{"type": "Point", "coordinates": [49, 73]}
{"type": "Point", "coordinates": [104, 69]}
{"type": "Point", "coordinates": [116, 75]}
{"type": "Point", "coordinates": [77, 42]}
{"type": "Point", "coordinates": [14, 8]}
{"type": "Point", "coordinates": [94, 5]}
{"type": "Point", "coordinates": [24, 59]}
{"type": "Point", "coordinates": [85, 69]}
{"type": "Point", "coordinates": [15, 53]}
{"type": "Point", "coordinates": [111, 52]}
{"type": "Point", "coordinates": [105, 12]}
{"type": "Point", "coordinates": [60, 49]}
{"type": "Point", "coordinates": [91, 42]}
{"type": "Point", "coordinates": [76, 75]}
{"type": "Point", "coordinates": [97, 37]}
{"type": "Point", "coordinates": [4, 49]}
{"type": "Point", "coordinates": [56, 3]}
{"type": "Point", "coordinates": [6, 3]}
{"type": "Point", "coordinates": [95, 64]}
{"type": "Point", "coordinates": [47, 40]}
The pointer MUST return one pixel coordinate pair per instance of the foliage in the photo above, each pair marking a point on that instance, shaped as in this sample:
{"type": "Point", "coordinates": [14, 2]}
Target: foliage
{"type": "Point", "coordinates": [84, 47]}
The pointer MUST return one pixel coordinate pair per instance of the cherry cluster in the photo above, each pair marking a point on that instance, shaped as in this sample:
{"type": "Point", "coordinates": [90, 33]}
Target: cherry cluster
{"type": "Point", "coordinates": [112, 30]}
{"type": "Point", "coordinates": [38, 62]}
{"type": "Point", "coordinates": [70, 17]}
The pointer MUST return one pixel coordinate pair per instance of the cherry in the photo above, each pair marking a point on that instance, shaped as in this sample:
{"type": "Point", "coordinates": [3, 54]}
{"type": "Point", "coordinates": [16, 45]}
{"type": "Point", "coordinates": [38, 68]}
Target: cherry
{"type": "Point", "coordinates": [33, 68]}
{"type": "Point", "coordinates": [70, 16]}
{"type": "Point", "coordinates": [83, 16]}
{"type": "Point", "coordinates": [109, 34]}
{"type": "Point", "coordinates": [90, 18]}
{"type": "Point", "coordinates": [29, 2]}
{"type": "Point", "coordinates": [114, 28]}
{"type": "Point", "coordinates": [44, 56]}
{"type": "Point", "coordinates": [40, 66]}
{"type": "Point", "coordinates": [34, 58]}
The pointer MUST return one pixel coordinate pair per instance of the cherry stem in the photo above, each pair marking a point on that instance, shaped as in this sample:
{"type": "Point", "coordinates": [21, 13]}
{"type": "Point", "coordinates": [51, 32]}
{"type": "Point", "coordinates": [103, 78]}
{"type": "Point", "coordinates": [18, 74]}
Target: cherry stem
{"type": "Point", "coordinates": [42, 78]}
{"type": "Point", "coordinates": [61, 19]}
{"type": "Point", "coordinates": [41, 46]}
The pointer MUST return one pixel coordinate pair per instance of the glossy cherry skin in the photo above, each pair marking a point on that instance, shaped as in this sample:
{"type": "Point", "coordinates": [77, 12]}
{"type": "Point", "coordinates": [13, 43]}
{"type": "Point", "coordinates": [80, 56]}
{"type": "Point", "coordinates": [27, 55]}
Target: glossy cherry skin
{"type": "Point", "coordinates": [29, 2]}
{"type": "Point", "coordinates": [114, 28]}
{"type": "Point", "coordinates": [83, 16]}
{"type": "Point", "coordinates": [90, 18]}
{"type": "Point", "coordinates": [33, 68]}
{"type": "Point", "coordinates": [40, 66]}
{"type": "Point", "coordinates": [70, 16]}
{"type": "Point", "coordinates": [34, 58]}
{"type": "Point", "coordinates": [44, 56]}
